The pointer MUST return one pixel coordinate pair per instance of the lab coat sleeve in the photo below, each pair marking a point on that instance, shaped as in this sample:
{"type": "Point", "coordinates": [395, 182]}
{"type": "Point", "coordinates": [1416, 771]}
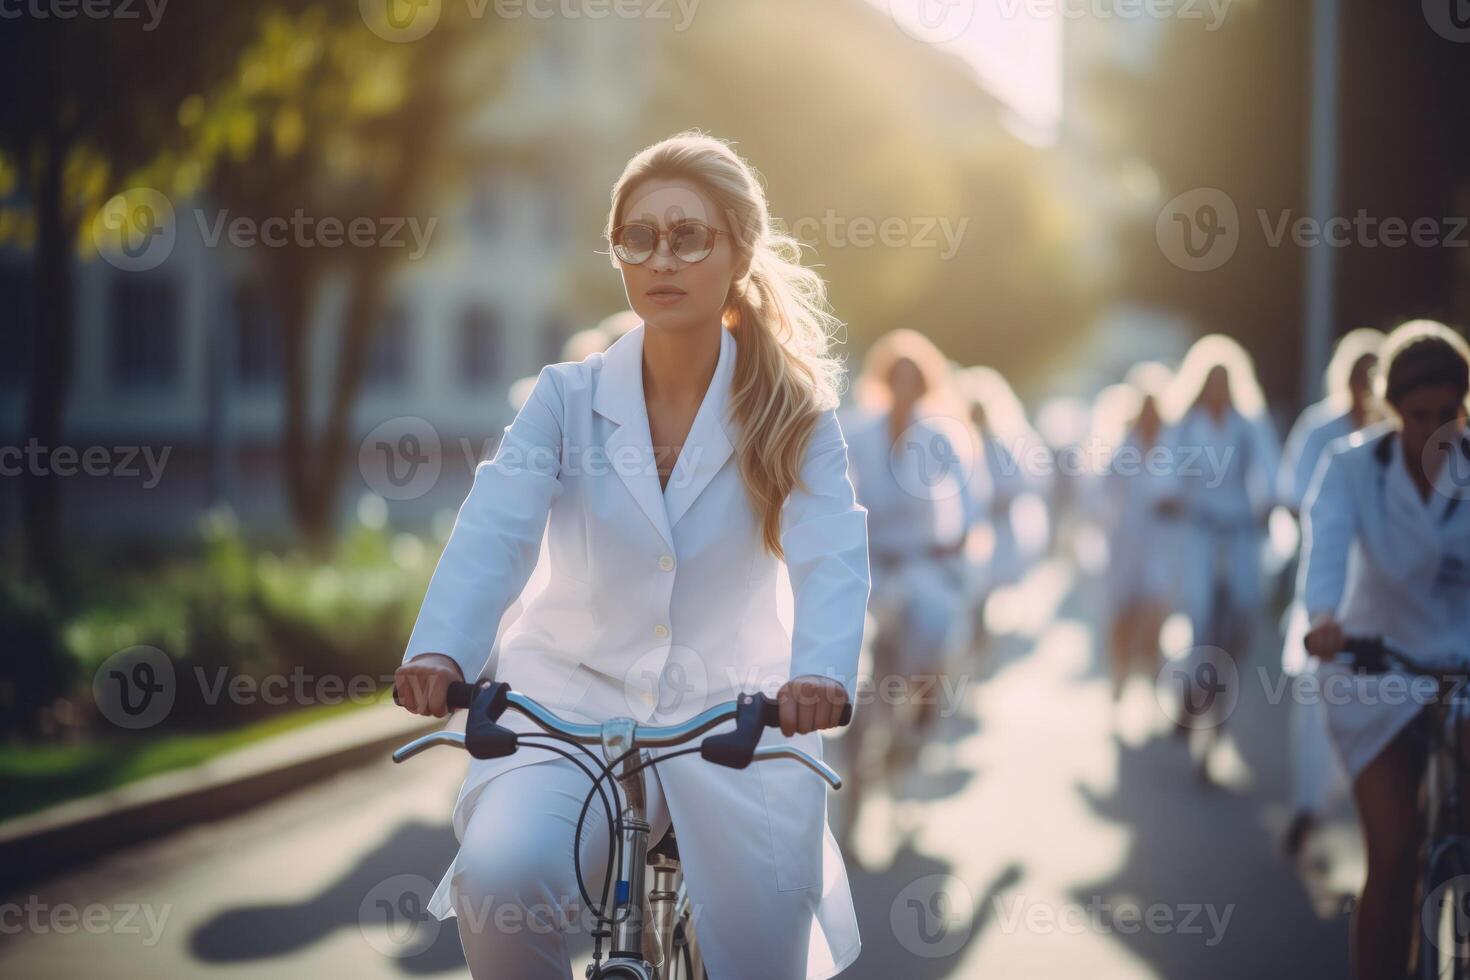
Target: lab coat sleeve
{"type": "Point", "coordinates": [496, 539]}
{"type": "Point", "coordinates": [1328, 532]}
{"type": "Point", "coordinates": [824, 534]}
{"type": "Point", "coordinates": [1266, 463]}
{"type": "Point", "coordinates": [1291, 481]}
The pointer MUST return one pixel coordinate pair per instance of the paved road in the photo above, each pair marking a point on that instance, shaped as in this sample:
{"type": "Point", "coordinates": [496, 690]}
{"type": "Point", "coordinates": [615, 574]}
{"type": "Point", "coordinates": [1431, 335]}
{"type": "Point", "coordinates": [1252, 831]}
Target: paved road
{"type": "Point", "coordinates": [1045, 838]}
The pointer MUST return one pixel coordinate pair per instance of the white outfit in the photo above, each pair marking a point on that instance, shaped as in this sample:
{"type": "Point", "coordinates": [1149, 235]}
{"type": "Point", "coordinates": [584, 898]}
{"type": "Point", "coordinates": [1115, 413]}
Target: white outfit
{"type": "Point", "coordinates": [656, 605]}
{"type": "Point", "coordinates": [1143, 544]}
{"type": "Point", "coordinates": [1317, 778]}
{"type": "Point", "coordinates": [992, 499]}
{"type": "Point", "coordinates": [514, 878]}
{"type": "Point", "coordinates": [1388, 563]}
{"type": "Point", "coordinates": [915, 493]}
{"type": "Point", "coordinates": [1319, 426]}
{"type": "Point", "coordinates": [1226, 473]}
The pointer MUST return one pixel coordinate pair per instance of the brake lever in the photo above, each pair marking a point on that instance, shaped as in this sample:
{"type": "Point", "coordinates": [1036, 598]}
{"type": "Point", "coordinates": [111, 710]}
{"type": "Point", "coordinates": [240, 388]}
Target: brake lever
{"type": "Point", "coordinates": [792, 752]}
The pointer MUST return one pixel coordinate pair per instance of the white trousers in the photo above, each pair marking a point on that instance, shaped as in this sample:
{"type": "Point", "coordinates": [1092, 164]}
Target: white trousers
{"type": "Point", "coordinates": [514, 887]}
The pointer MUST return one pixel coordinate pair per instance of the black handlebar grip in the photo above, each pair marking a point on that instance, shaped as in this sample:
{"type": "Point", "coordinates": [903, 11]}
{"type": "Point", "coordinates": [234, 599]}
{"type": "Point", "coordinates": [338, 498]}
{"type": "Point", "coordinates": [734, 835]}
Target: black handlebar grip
{"type": "Point", "coordinates": [754, 713]}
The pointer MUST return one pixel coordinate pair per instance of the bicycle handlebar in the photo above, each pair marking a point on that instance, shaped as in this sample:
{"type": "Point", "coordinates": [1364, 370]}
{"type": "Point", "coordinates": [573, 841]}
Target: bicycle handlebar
{"type": "Point", "coordinates": [484, 738]}
{"type": "Point", "coordinates": [1373, 654]}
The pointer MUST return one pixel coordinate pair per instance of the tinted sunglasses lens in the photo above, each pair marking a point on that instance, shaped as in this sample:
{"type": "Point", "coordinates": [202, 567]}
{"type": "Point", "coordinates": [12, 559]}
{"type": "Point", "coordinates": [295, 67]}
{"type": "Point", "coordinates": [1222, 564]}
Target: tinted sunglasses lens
{"type": "Point", "coordinates": [634, 243]}
{"type": "Point", "coordinates": [691, 242]}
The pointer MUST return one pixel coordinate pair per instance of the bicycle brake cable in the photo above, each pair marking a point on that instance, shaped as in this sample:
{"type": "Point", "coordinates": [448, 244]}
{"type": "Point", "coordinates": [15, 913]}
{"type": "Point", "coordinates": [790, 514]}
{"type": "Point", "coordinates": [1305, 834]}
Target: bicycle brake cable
{"type": "Point", "coordinates": [599, 909]}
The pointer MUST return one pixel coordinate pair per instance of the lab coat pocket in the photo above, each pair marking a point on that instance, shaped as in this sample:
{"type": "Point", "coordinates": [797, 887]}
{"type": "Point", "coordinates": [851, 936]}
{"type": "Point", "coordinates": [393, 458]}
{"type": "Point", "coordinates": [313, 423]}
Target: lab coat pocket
{"type": "Point", "coordinates": [796, 812]}
{"type": "Point", "coordinates": [573, 693]}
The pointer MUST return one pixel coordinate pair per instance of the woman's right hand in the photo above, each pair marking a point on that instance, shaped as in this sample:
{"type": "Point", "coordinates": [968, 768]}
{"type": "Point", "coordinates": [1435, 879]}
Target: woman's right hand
{"type": "Point", "coordinates": [423, 683]}
{"type": "Point", "coordinates": [1325, 637]}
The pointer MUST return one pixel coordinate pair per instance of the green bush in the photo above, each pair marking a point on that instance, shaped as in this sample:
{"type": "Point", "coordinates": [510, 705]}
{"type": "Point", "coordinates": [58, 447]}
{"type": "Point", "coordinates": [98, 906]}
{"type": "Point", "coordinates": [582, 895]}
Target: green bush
{"type": "Point", "coordinates": [230, 613]}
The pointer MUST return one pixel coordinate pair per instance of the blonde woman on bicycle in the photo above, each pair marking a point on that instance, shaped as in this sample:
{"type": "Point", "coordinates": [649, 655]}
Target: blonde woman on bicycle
{"type": "Point", "coordinates": [1387, 553]}
{"type": "Point", "coordinates": [675, 476]}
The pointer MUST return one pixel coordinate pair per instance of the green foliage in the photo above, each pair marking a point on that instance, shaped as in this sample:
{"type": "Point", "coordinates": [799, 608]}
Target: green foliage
{"type": "Point", "coordinates": [230, 612]}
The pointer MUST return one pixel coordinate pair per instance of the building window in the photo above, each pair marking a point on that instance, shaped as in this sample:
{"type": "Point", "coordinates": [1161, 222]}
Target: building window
{"type": "Point", "coordinates": [18, 300]}
{"type": "Point", "coordinates": [388, 359]}
{"type": "Point", "coordinates": [479, 346]}
{"type": "Point", "coordinates": [258, 349]}
{"type": "Point", "coordinates": [144, 349]}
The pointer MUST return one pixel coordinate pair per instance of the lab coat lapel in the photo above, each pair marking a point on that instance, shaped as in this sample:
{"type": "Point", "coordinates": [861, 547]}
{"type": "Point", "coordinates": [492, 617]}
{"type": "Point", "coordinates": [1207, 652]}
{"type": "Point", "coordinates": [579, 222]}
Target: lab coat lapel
{"type": "Point", "coordinates": [707, 446]}
{"type": "Point", "coordinates": [619, 398]}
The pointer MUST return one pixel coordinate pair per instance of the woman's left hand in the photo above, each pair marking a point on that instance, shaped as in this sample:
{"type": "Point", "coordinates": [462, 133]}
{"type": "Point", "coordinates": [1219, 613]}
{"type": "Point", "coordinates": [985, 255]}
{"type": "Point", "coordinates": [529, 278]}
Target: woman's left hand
{"type": "Point", "coordinates": [810, 703]}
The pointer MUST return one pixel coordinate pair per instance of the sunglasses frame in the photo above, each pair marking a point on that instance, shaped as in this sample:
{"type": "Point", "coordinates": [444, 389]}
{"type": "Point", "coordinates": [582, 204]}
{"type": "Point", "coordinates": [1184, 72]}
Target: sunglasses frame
{"type": "Point", "coordinates": [660, 234]}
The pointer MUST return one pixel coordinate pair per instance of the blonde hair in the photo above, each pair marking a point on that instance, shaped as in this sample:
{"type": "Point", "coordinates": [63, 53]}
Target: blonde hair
{"type": "Point", "coordinates": [785, 374]}
{"type": "Point", "coordinates": [1352, 348]}
{"type": "Point", "coordinates": [1005, 416]}
{"type": "Point", "coordinates": [871, 390]}
{"type": "Point", "coordinates": [1206, 354]}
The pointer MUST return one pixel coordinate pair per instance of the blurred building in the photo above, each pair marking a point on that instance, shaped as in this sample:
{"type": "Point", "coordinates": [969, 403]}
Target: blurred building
{"type": "Point", "coordinates": [187, 356]}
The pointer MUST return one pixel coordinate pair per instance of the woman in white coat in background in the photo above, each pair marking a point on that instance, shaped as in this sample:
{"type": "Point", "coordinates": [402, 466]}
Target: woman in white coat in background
{"type": "Point", "coordinates": [1316, 777]}
{"type": "Point", "coordinates": [672, 476]}
{"type": "Point", "coordinates": [1010, 528]}
{"type": "Point", "coordinates": [912, 455]}
{"type": "Point", "coordinates": [1387, 553]}
{"type": "Point", "coordinates": [1138, 485]}
{"type": "Point", "coordinates": [1225, 453]}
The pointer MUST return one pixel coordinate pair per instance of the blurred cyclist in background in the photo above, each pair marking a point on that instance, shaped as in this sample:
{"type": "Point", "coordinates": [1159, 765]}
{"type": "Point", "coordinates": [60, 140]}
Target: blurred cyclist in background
{"type": "Point", "coordinates": [1006, 492]}
{"type": "Point", "coordinates": [910, 454]}
{"type": "Point", "coordinates": [1142, 544]}
{"type": "Point", "coordinates": [1225, 453]}
{"type": "Point", "coordinates": [1316, 777]}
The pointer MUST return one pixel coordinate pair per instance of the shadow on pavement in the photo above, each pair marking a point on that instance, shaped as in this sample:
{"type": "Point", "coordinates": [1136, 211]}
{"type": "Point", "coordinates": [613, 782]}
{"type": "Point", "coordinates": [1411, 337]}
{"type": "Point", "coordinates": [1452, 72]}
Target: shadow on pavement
{"type": "Point", "coordinates": [904, 928]}
{"type": "Point", "coordinates": [260, 932]}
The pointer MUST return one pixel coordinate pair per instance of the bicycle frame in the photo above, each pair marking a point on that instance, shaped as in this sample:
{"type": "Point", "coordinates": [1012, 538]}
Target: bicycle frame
{"type": "Point", "coordinates": [637, 953]}
{"type": "Point", "coordinates": [1444, 856]}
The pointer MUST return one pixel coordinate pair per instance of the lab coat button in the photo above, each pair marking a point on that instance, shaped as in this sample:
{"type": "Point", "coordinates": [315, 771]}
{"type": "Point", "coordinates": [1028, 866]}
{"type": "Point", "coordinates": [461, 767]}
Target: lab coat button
{"type": "Point", "coordinates": [660, 631]}
{"type": "Point", "coordinates": [666, 563]}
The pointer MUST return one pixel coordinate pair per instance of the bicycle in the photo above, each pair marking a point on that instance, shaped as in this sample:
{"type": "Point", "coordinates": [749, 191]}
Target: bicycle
{"type": "Point", "coordinates": [650, 929]}
{"type": "Point", "coordinates": [1222, 636]}
{"type": "Point", "coordinates": [1444, 929]}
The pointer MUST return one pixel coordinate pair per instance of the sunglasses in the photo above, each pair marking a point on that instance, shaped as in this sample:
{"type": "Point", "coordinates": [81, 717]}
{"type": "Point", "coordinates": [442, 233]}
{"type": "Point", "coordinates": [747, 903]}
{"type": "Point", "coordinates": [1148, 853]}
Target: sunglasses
{"type": "Point", "coordinates": [689, 241]}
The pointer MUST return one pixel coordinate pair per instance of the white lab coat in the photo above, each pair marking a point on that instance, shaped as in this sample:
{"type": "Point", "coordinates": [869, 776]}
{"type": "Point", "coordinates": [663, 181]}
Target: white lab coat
{"type": "Point", "coordinates": [916, 494]}
{"type": "Point", "coordinates": [656, 605]}
{"type": "Point", "coordinates": [1388, 563]}
{"type": "Point", "coordinates": [1143, 550]}
{"type": "Point", "coordinates": [1226, 474]}
{"type": "Point", "coordinates": [1318, 427]}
